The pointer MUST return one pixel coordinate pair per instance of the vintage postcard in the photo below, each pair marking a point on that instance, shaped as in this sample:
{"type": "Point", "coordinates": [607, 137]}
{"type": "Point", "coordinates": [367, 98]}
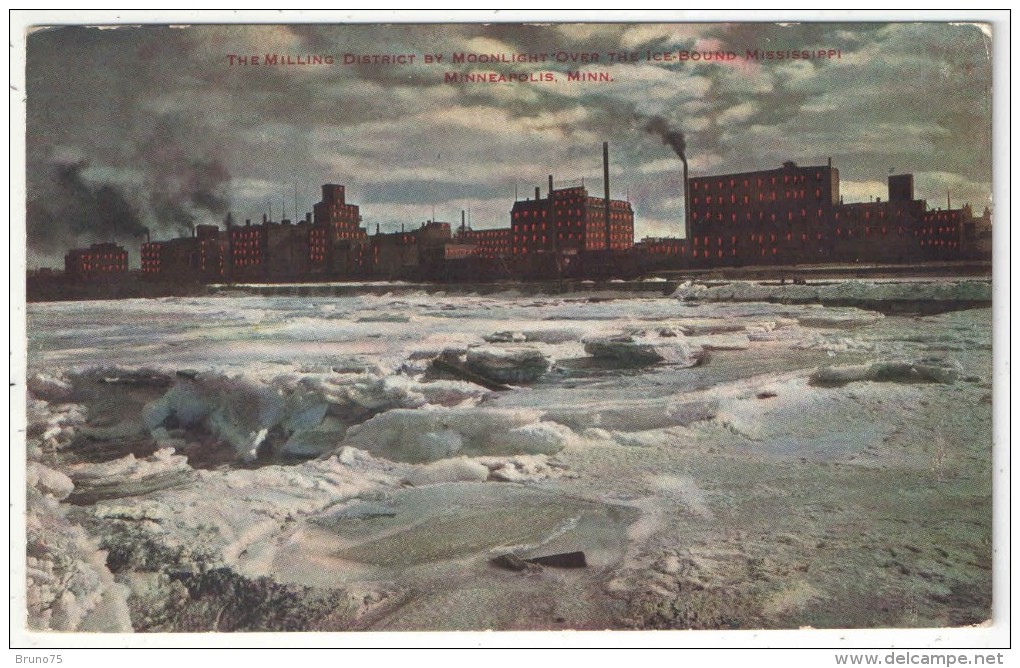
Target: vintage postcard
{"type": "Point", "coordinates": [528, 325]}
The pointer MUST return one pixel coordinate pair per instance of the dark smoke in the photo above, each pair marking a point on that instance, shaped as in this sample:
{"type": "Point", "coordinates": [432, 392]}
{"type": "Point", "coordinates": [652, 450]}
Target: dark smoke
{"type": "Point", "coordinates": [68, 207]}
{"type": "Point", "coordinates": [74, 209]}
{"type": "Point", "coordinates": [181, 191]}
{"type": "Point", "coordinates": [182, 184]}
{"type": "Point", "coordinates": [657, 125]}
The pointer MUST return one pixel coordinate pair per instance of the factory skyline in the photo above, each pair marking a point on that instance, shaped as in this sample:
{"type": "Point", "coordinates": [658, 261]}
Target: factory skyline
{"type": "Point", "coordinates": [783, 216]}
{"type": "Point", "coordinates": [167, 134]}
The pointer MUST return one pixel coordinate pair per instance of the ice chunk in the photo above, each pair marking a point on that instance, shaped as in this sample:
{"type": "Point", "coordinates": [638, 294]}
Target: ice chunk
{"type": "Point", "coordinates": [939, 370]}
{"type": "Point", "coordinates": [518, 364]}
{"type": "Point", "coordinates": [928, 369]}
{"type": "Point", "coordinates": [49, 388]}
{"type": "Point", "coordinates": [506, 337]}
{"type": "Point", "coordinates": [48, 481]}
{"type": "Point", "coordinates": [541, 438]}
{"type": "Point", "coordinates": [128, 476]}
{"type": "Point", "coordinates": [426, 435]}
{"type": "Point", "coordinates": [457, 521]}
{"type": "Point", "coordinates": [448, 470]}
{"type": "Point", "coordinates": [630, 416]}
{"type": "Point", "coordinates": [67, 585]}
{"type": "Point", "coordinates": [720, 342]}
{"type": "Point", "coordinates": [319, 439]}
{"type": "Point", "coordinates": [631, 350]}
{"type": "Point", "coordinates": [979, 290]}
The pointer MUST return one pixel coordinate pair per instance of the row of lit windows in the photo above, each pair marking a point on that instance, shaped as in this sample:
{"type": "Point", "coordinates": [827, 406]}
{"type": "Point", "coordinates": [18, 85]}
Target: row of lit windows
{"type": "Point", "coordinates": [486, 234]}
{"type": "Point", "coordinates": [706, 184]}
{"type": "Point", "coordinates": [746, 199]}
{"type": "Point", "coordinates": [696, 215]}
{"type": "Point", "coordinates": [951, 216]}
{"type": "Point", "coordinates": [88, 266]}
{"type": "Point", "coordinates": [867, 231]}
{"type": "Point", "coordinates": [88, 257]}
{"type": "Point", "coordinates": [932, 230]}
{"type": "Point", "coordinates": [573, 213]}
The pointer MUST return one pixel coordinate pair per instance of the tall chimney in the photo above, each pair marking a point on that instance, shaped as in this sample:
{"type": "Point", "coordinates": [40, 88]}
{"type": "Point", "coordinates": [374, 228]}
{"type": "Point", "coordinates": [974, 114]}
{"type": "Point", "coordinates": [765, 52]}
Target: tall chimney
{"type": "Point", "coordinates": [538, 193]}
{"type": "Point", "coordinates": [463, 221]}
{"type": "Point", "coordinates": [687, 205]}
{"type": "Point", "coordinates": [552, 213]}
{"type": "Point", "coordinates": [605, 179]}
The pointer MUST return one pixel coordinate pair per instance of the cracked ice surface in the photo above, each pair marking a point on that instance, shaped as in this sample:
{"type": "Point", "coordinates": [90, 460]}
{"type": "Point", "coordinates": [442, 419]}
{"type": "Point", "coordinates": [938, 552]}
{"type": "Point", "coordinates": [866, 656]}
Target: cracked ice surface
{"type": "Point", "coordinates": [817, 466]}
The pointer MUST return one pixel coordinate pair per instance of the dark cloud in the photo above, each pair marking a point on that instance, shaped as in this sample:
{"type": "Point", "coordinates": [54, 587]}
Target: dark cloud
{"type": "Point", "coordinates": [173, 134]}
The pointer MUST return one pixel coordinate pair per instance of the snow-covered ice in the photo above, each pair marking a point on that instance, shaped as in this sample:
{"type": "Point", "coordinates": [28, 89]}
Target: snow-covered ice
{"type": "Point", "coordinates": [721, 463]}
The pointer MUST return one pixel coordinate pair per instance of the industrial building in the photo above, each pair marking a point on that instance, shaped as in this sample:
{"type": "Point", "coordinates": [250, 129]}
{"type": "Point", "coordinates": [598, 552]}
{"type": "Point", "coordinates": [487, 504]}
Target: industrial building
{"type": "Point", "coordinates": [202, 256]}
{"type": "Point", "coordinates": [96, 261]}
{"type": "Point", "coordinates": [795, 215]}
{"type": "Point", "coordinates": [569, 220]}
{"type": "Point", "coordinates": [342, 219]}
{"type": "Point", "coordinates": [788, 215]}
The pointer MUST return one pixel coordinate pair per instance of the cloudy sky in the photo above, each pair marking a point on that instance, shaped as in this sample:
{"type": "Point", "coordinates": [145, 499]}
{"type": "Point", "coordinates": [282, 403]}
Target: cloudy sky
{"type": "Point", "coordinates": [152, 128]}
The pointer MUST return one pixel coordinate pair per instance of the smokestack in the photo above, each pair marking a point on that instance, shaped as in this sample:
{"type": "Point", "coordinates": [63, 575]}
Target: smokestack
{"type": "Point", "coordinates": [605, 179]}
{"type": "Point", "coordinates": [687, 203]}
{"type": "Point", "coordinates": [463, 221]}
{"type": "Point", "coordinates": [552, 213]}
{"type": "Point", "coordinates": [537, 193]}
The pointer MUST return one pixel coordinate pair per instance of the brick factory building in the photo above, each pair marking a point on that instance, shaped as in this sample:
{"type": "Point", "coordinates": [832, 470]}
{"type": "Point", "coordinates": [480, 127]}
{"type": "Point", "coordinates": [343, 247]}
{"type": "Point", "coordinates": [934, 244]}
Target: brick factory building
{"type": "Point", "coordinates": [342, 219]}
{"type": "Point", "coordinates": [573, 221]}
{"type": "Point", "coordinates": [279, 251]}
{"type": "Point", "coordinates": [761, 217]}
{"type": "Point", "coordinates": [795, 215]}
{"type": "Point", "coordinates": [96, 261]}
{"type": "Point", "coordinates": [489, 244]}
{"type": "Point", "coordinates": [402, 254]}
{"type": "Point", "coordinates": [201, 257]}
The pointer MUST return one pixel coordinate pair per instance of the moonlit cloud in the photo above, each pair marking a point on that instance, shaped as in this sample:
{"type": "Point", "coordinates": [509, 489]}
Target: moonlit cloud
{"type": "Point", "coordinates": [139, 110]}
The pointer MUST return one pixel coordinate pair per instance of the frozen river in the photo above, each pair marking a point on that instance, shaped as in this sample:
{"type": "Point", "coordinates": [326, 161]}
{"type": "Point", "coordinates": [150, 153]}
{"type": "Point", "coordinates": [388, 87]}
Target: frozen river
{"type": "Point", "coordinates": [284, 463]}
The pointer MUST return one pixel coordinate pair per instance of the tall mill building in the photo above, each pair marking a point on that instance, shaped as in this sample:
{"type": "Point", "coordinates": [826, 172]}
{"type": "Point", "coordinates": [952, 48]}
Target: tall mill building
{"type": "Point", "coordinates": [795, 214]}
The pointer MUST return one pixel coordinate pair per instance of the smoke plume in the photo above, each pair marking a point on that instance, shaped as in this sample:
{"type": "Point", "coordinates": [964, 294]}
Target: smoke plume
{"type": "Point", "coordinates": [71, 208]}
{"type": "Point", "coordinates": [657, 125]}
